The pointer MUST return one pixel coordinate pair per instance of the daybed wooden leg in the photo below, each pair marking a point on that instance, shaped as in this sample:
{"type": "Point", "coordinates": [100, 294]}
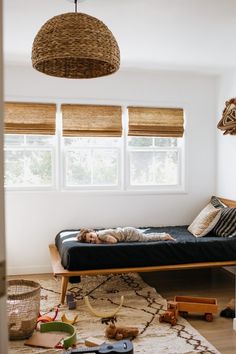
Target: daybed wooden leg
{"type": "Point", "coordinates": [64, 284]}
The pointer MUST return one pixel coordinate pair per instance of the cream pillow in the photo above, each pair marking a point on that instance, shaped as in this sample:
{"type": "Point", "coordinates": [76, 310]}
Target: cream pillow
{"type": "Point", "coordinates": [205, 221]}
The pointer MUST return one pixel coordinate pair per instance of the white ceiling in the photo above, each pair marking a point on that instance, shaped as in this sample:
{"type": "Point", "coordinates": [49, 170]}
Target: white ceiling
{"type": "Point", "coordinates": [197, 35]}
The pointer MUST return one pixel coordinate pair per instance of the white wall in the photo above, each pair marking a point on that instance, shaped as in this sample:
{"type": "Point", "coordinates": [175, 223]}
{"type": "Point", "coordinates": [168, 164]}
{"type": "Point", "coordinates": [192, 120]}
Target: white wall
{"type": "Point", "coordinates": [34, 218]}
{"type": "Point", "coordinates": [226, 144]}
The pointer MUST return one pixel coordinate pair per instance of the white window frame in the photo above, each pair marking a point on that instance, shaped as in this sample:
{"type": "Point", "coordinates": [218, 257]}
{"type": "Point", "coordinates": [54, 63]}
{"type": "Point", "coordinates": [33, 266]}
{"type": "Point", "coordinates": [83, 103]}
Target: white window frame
{"type": "Point", "coordinates": [92, 187]}
{"type": "Point", "coordinates": [157, 188]}
{"type": "Point", "coordinates": [123, 187]}
{"type": "Point", "coordinates": [25, 147]}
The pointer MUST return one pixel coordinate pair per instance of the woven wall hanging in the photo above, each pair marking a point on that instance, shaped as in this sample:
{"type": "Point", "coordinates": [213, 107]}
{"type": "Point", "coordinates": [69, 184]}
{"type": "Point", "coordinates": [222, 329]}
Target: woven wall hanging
{"type": "Point", "coordinates": [228, 120]}
{"type": "Point", "coordinates": [75, 46]}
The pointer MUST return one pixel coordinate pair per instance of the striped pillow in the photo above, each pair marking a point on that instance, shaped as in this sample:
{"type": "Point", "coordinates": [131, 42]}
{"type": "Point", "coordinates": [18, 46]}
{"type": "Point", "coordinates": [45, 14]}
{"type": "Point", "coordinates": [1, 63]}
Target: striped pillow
{"type": "Point", "coordinates": [216, 202]}
{"type": "Point", "coordinates": [226, 226]}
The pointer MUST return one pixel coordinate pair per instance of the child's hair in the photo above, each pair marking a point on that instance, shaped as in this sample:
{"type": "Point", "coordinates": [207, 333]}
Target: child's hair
{"type": "Point", "coordinates": [81, 236]}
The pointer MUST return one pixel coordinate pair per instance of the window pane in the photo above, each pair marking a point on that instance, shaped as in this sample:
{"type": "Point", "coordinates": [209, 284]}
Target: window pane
{"type": "Point", "coordinates": [141, 168]}
{"type": "Point", "coordinates": [166, 167]}
{"type": "Point", "coordinates": [166, 142]}
{"type": "Point", "coordinates": [78, 168]}
{"type": "Point", "coordinates": [28, 168]}
{"type": "Point", "coordinates": [105, 167]}
{"type": "Point", "coordinates": [14, 168]}
{"type": "Point", "coordinates": [13, 139]}
{"type": "Point", "coordinates": [91, 141]}
{"type": "Point", "coordinates": [38, 168]}
{"type": "Point", "coordinates": [154, 168]}
{"type": "Point", "coordinates": [39, 140]}
{"type": "Point", "coordinates": [137, 141]}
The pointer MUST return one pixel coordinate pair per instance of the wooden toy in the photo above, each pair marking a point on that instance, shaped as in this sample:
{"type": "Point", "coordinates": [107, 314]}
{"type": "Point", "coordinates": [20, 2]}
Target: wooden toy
{"type": "Point", "coordinates": [182, 305]}
{"type": "Point", "coordinates": [171, 314]}
{"type": "Point", "coordinates": [103, 314]}
{"type": "Point", "coordinates": [69, 298]}
{"type": "Point", "coordinates": [65, 319]}
{"type": "Point", "coordinates": [121, 332]}
{"type": "Point", "coordinates": [72, 305]}
{"type": "Point", "coordinates": [93, 342]}
{"type": "Point", "coordinates": [206, 305]}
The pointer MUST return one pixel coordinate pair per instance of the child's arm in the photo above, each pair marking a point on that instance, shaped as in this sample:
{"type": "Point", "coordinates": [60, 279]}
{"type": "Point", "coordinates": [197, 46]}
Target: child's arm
{"type": "Point", "coordinates": [110, 239]}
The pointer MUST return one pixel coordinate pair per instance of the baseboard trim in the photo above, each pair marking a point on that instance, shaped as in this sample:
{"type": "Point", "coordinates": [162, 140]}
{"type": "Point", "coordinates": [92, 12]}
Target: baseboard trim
{"type": "Point", "coordinates": [29, 270]}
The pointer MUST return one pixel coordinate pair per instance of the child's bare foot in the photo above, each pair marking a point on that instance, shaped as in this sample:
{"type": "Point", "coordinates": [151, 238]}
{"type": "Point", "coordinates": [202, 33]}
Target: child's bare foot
{"type": "Point", "coordinates": [168, 237]}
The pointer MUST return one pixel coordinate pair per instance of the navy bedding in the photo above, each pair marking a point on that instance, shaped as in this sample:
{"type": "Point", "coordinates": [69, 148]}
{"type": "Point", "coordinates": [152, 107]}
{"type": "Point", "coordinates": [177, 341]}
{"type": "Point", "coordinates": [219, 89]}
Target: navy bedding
{"type": "Point", "coordinates": [186, 249]}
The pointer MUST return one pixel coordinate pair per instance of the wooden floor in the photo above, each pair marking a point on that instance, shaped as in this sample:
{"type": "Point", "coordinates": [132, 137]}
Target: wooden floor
{"type": "Point", "coordinates": [216, 283]}
{"type": "Point", "coordinates": [198, 282]}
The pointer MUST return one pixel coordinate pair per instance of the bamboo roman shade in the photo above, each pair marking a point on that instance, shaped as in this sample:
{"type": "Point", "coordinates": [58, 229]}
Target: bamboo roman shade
{"type": "Point", "coordinates": [29, 118]}
{"type": "Point", "coordinates": [150, 121]}
{"type": "Point", "coordinates": [91, 120]}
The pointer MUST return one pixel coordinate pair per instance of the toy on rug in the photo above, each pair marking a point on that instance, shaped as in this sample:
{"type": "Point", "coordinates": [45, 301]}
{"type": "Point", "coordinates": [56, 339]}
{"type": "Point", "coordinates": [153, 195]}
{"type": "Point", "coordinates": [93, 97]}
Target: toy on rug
{"type": "Point", "coordinates": [206, 305]}
{"type": "Point", "coordinates": [71, 302]}
{"type": "Point", "coordinates": [182, 305]}
{"type": "Point", "coordinates": [123, 346]}
{"type": "Point", "coordinates": [229, 311]}
{"type": "Point", "coordinates": [65, 319]}
{"type": "Point", "coordinates": [120, 332]}
{"type": "Point", "coordinates": [45, 318]}
{"type": "Point", "coordinates": [171, 314]}
{"type": "Point", "coordinates": [57, 326]}
{"type": "Point", "coordinates": [93, 342]}
{"type": "Point", "coordinates": [103, 314]}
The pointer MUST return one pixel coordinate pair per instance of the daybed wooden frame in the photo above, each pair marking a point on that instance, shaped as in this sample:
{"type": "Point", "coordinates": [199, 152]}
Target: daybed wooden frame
{"type": "Point", "coordinates": [58, 269]}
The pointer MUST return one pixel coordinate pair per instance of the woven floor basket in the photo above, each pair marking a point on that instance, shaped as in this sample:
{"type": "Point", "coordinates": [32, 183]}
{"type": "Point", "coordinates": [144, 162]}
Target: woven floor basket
{"type": "Point", "coordinates": [23, 304]}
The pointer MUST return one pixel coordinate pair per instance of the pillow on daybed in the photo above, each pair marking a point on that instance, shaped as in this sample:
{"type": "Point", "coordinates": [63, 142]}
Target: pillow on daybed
{"type": "Point", "coordinates": [216, 202]}
{"type": "Point", "coordinates": [205, 221]}
{"type": "Point", "coordinates": [226, 226]}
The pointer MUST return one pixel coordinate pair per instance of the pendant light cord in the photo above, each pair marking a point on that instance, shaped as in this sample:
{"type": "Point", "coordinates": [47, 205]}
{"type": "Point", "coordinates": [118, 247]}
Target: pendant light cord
{"type": "Point", "coordinates": [75, 6]}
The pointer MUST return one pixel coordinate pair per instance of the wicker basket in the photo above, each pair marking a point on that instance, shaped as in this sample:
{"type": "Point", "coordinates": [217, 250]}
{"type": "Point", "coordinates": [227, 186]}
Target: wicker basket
{"type": "Point", "coordinates": [23, 304]}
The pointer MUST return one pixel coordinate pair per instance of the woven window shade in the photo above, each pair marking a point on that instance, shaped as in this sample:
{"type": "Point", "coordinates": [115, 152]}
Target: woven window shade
{"type": "Point", "coordinates": [29, 118]}
{"type": "Point", "coordinates": [162, 122]}
{"type": "Point", "coordinates": [91, 121]}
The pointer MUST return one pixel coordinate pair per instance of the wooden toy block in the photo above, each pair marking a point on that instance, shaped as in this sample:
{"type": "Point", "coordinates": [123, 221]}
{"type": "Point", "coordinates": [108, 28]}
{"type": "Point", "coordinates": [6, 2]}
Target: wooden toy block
{"type": "Point", "coordinates": [69, 298]}
{"type": "Point", "coordinates": [93, 342]}
{"type": "Point", "coordinates": [72, 305]}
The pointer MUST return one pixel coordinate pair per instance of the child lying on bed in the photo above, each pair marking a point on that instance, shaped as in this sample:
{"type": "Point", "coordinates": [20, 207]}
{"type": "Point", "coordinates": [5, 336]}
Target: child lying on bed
{"type": "Point", "coordinates": [125, 234]}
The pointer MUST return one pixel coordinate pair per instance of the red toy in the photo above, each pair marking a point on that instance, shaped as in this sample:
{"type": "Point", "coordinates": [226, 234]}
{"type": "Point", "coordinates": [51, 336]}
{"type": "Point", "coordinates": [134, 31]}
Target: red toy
{"type": "Point", "coordinates": [45, 318]}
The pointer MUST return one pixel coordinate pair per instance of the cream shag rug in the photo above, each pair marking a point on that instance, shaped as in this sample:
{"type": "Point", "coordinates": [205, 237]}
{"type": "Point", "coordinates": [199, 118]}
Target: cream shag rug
{"type": "Point", "coordinates": [141, 308]}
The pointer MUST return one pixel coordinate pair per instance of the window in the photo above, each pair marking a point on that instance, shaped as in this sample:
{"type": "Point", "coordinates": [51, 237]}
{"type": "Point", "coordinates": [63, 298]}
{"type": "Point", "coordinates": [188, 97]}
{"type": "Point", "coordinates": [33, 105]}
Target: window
{"type": "Point", "coordinates": [92, 162]}
{"type": "Point", "coordinates": [29, 161]}
{"type": "Point", "coordinates": [154, 162]}
{"type": "Point", "coordinates": [90, 150]}
{"type": "Point", "coordinates": [29, 144]}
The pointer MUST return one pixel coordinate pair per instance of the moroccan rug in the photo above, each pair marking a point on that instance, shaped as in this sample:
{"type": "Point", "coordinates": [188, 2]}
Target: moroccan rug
{"type": "Point", "coordinates": [141, 308]}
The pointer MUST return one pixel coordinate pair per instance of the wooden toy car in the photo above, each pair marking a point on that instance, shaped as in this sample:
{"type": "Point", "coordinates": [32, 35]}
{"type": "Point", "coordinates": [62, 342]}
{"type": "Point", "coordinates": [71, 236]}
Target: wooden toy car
{"type": "Point", "coordinates": [182, 305]}
{"type": "Point", "coordinates": [171, 314]}
{"type": "Point", "coordinates": [206, 305]}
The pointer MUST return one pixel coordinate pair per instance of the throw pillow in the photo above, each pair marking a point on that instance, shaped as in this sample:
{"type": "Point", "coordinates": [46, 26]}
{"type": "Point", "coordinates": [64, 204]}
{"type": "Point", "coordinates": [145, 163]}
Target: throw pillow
{"type": "Point", "coordinates": [205, 221]}
{"type": "Point", "coordinates": [226, 226]}
{"type": "Point", "coordinates": [216, 202]}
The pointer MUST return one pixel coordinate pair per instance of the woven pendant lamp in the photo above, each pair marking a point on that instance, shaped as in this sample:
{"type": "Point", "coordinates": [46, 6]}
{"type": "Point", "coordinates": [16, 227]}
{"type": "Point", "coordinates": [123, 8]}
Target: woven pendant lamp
{"type": "Point", "coordinates": [75, 46]}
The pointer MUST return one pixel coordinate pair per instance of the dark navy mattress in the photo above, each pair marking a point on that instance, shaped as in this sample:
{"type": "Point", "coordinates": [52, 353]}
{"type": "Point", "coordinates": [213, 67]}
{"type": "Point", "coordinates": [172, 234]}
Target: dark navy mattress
{"type": "Point", "coordinates": [187, 249]}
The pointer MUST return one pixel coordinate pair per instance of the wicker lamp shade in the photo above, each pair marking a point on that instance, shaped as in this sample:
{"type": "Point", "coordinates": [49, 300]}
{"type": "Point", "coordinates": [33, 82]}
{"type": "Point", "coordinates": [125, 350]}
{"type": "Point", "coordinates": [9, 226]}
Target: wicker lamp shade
{"type": "Point", "coordinates": [75, 46]}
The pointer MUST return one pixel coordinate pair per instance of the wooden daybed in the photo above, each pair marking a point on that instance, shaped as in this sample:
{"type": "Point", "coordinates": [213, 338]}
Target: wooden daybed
{"type": "Point", "coordinates": [59, 270]}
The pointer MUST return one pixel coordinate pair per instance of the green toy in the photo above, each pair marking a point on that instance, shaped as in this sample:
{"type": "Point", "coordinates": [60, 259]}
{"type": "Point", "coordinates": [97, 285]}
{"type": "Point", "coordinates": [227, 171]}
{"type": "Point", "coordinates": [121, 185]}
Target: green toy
{"type": "Point", "coordinates": [61, 327]}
